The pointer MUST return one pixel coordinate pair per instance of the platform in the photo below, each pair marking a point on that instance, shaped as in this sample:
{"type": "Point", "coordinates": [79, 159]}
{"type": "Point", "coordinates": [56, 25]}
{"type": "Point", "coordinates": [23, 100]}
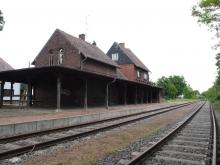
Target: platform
{"type": "Point", "coordinates": [17, 121]}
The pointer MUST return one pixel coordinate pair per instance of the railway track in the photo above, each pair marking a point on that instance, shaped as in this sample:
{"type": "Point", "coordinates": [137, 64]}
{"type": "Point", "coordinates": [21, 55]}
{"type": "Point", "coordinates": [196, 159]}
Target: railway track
{"type": "Point", "coordinates": [192, 142]}
{"type": "Point", "coordinates": [17, 145]}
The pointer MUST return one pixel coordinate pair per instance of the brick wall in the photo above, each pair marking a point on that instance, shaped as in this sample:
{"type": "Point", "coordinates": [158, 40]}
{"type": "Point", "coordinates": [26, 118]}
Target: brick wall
{"type": "Point", "coordinates": [71, 58]}
{"type": "Point", "coordinates": [129, 71]}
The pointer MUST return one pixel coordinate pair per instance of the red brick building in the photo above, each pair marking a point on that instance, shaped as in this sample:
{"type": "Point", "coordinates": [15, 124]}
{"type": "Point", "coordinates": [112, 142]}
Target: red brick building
{"type": "Point", "coordinates": [70, 72]}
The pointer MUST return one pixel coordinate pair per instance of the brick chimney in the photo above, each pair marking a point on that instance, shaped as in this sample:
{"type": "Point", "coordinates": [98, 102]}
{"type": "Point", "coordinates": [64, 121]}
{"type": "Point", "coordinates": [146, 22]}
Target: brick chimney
{"type": "Point", "coordinates": [94, 43]}
{"type": "Point", "coordinates": [122, 44]}
{"type": "Point", "coordinates": [82, 37]}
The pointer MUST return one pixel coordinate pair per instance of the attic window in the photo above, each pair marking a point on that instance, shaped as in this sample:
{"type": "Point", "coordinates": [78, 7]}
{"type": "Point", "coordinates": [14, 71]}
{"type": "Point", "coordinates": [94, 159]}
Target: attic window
{"type": "Point", "coordinates": [115, 56]}
{"type": "Point", "coordinates": [50, 60]}
{"type": "Point", "coordinates": [60, 56]}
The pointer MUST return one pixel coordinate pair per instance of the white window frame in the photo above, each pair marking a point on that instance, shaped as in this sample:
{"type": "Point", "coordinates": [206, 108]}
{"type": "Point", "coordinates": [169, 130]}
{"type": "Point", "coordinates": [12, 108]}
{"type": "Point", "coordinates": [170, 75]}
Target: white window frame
{"type": "Point", "coordinates": [50, 60]}
{"type": "Point", "coordinates": [145, 76]}
{"type": "Point", "coordinates": [60, 56]}
{"type": "Point", "coordinates": [115, 56]}
{"type": "Point", "coordinates": [138, 74]}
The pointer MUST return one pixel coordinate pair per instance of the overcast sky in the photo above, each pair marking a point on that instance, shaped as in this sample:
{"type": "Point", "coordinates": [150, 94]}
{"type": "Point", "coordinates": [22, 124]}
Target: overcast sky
{"type": "Point", "coordinates": [163, 34]}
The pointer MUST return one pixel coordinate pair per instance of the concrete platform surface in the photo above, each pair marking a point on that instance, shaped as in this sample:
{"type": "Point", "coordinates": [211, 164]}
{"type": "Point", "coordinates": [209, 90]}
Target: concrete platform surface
{"type": "Point", "coordinates": [12, 115]}
{"type": "Point", "coordinates": [17, 121]}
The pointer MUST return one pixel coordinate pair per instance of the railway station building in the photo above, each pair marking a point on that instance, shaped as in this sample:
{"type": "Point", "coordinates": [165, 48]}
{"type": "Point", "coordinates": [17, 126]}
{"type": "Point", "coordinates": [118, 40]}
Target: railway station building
{"type": "Point", "coordinates": [12, 90]}
{"type": "Point", "coordinates": [69, 72]}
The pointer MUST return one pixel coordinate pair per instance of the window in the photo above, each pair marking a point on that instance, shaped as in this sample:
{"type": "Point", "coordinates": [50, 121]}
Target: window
{"type": "Point", "coordinates": [115, 56]}
{"type": "Point", "coordinates": [60, 56]}
{"type": "Point", "coordinates": [138, 74]}
{"type": "Point", "coordinates": [50, 60]}
{"type": "Point", "coordinates": [145, 76]}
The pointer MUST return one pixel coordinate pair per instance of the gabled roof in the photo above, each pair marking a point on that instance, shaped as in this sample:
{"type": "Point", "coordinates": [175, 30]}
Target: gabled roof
{"type": "Point", "coordinates": [133, 58]}
{"type": "Point", "coordinates": [4, 65]}
{"type": "Point", "coordinates": [88, 50]}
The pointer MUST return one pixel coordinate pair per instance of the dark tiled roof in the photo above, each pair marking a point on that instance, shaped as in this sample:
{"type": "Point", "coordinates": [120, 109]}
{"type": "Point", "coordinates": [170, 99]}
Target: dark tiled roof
{"type": "Point", "coordinates": [88, 50]}
{"type": "Point", "coordinates": [4, 65]}
{"type": "Point", "coordinates": [133, 58]}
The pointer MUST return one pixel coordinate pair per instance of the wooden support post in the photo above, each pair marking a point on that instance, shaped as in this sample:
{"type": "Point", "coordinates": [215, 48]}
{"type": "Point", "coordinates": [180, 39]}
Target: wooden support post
{"type": "Point", "coordinates": [106, 96]}
{"type": "Point", "coordinates": [58, 93]}
{"type": "Point", "coordinates": [135, 95]}
{"type": "Point", "coordinates": [125, 94]}
{"type": "Point", "coordinates": [11, 92]}
{"type": "Point", "coordinates": [151, 95]}
{"type": "Point", "coordinates": [158, 95]}
{"type": "Point", "coordinates": [85, 95]}
{"type": "Point", "coordinates": [29, 95]}
{"type": "Point", "coordinates": [142, 95]}
{"type": "Point", "coordinates": [146, 94]}
{"type": "Point", "coordinates": [2, 93]}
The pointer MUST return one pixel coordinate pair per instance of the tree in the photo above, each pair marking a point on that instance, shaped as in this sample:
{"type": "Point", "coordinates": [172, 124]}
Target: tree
{"type": "Point", "coordinates": [2, 22]}
{"type": "Point", "coordinates": [169, 88]}
{"type": "Point", "coordinates": [207, 12]}
{"type": "Point", "coordinates": [189, 93]}
{"type": "Point", "coordinates": [179, 83]}
{"type": "Point", "coordinates": [174, 86]}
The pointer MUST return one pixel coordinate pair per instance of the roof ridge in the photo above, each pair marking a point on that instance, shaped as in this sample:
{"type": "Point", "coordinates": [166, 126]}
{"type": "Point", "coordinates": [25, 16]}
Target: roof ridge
{"type": "Point", "coordinates": [90, 54]}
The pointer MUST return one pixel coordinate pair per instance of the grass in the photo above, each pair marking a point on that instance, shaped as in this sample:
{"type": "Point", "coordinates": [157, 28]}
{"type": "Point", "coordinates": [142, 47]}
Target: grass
{"type": "Point", "coordinates": [178, 100]}
{"type": "Point", "coordinates": [217, 105]}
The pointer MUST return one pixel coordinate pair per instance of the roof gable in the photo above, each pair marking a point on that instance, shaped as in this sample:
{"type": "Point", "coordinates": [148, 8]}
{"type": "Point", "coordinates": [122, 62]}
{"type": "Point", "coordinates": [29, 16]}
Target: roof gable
{"type": "Point", "coordinates": [88, 50]}
{"type": "Point", "coordinates": [133, 58]}
{"type": "Point", "coordinates": [4, 65]}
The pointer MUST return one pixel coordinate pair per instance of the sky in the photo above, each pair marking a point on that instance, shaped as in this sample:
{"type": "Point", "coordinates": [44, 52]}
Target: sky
{"type": "Point", "coordinates": [163, 34]}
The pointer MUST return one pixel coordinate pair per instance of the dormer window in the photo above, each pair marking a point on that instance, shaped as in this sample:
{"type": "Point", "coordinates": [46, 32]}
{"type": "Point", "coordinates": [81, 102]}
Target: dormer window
{"type": "Point", "coordinates": [115, 56]}
{"type": "Point", "coordinates": [138, 74]}
{"type": "Point", "coordinates": [145, 76]}
{"type": "Point", "coordinates": [60, 56]}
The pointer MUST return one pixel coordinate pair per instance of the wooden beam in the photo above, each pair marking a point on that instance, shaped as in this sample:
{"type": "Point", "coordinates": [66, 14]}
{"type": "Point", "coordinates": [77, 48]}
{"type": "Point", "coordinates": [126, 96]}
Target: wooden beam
{"type": "Point", "coordinates": [106, 96]}
{"type": "Point", "coordinates": [135, 101]}
{"type": "Point", "coordinates": [2, 93]}
{"type": "Point", "coordinates": [85, 94]}
{"type": "Point", "coordinates": [146, 94]}
{"type": "Point", "coordinates": [58, 92]}
{"type": "Point", "coordinates": [29, 94]}
{"type": "Point", "coordinates": [125, 94]}
{"type": "Point", "coordinates": [142, 95]}
{"type": "Point", "coordinates": [11, 92]}
{"type": "Point", "coordinates": [151, 93]}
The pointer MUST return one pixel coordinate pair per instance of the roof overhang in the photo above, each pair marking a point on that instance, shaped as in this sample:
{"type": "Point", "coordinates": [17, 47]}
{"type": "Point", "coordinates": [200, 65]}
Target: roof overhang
{"type": "Point", "coordinates": [36, 73]}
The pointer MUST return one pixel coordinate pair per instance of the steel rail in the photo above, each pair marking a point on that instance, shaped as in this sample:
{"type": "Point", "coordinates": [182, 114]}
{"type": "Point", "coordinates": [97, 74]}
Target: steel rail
{"type": "Point", "coordinates": [151, 150]}
{"type": "Point", "coordinates": [44, 132]}
{"type": "Point", "coordinates": [214, 130]}
{"type": "Point", "coordinates": [34, 147]}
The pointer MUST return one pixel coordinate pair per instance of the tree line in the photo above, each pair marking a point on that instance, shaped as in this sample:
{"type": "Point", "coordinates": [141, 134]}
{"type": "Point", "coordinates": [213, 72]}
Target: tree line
{"type": "Point", "coordinates": [177, 87]}
{"type": "Point", "coordinates": [208, 13]}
